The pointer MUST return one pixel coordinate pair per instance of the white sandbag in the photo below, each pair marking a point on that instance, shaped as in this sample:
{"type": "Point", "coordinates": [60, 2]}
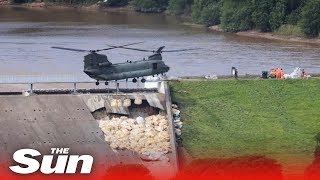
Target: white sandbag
{"type": "Point", "coordinates": [119, 102]}
{"type": "Point", "coordinates": [140, 120]}
{"type": "Point", "coordinates": [127, 133]}
{"type": "Point", "coordinates": [138, 100]}
{"type": "Point", "coordinates": [174, 106]}
{"type": "Point", "coordinates": [127, 103]}
{"type": "Point", "coordinates": [178, 132]}
{"type": "Point", "coordinates": [114, 103]}
{"type": "Point", "coordinates": [175, 112]}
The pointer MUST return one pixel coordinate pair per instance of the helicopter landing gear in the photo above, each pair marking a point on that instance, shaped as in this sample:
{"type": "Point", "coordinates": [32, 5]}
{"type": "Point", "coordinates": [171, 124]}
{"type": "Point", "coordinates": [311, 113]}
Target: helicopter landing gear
{"type": "Point", "coordinates": [134, 80]}
{"type": "Point", "coordinates": [143, 80]}
{"type": "Point", "coordinates": [106, 83]}
{"type": "Point", "coordinates": [97, 83]}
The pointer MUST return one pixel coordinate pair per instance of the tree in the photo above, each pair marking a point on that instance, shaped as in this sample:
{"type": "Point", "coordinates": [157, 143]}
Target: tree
{"type": "Point", "coordinates": [150, 5]}
{"type": "Point", "coordinates": [206, 12]}
{"type": "Point", "coordinates": [179, 6]}
{"type": "Point", "coordinates": [236, 15]}
{"type": "Point", "coordinates": [277, 14]}
{"type": "Point", "coordinates": [310, 18]}
{"type": "Point", "coordinates": [211, 14]}
{"type": "Point", "coordinates": [117, 2]}
{"type": "Point", "coordinates": [261, 14]}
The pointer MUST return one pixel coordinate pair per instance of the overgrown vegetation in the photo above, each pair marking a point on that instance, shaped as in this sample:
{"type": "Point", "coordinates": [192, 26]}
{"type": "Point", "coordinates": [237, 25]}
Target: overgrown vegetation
{"type": "Point", "coordinates": [206, 12]}
{"type": "Point", "coordinates": [261, 15]}
{"type": "Point", "coordinates": [228, 118]}
{"type": "Point", "coordinates": [301, 17]}
{"type": "Point", "coordinates": [150, 5]}
{"type": "Point", "coordinates": [290, 30]}
{"type": "Point", "coordinates": [180, 6]}
{"type": "Point", "coordinates": [72, 1]}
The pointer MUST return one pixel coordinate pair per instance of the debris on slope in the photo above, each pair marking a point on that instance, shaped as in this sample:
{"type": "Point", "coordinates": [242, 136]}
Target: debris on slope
{"type": "Point", "coordinates": [177, 121]}
{"type": "Point", "coordinates": [148, 136]}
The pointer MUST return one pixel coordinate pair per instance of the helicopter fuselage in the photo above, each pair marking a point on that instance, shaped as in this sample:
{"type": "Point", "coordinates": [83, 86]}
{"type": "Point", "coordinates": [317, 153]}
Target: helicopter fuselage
{"type": "Point", "coordinates": [99, 68]}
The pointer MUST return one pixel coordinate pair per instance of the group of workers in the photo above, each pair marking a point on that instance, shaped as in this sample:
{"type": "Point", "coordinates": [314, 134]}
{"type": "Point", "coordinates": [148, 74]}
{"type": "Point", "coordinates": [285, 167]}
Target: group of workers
{"type": "Point", "coordinates": [277, 73]}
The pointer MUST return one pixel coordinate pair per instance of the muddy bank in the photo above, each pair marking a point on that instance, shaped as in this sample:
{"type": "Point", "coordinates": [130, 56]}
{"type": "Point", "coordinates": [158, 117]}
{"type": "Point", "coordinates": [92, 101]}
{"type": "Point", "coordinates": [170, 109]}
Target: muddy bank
{"type": "Point", "coordinates": [270, 36]}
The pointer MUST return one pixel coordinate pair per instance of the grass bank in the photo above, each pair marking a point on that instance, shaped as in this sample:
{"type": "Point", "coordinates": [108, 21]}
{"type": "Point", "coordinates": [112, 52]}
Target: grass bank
{"type": "Point", "coordinates": [229, 118]}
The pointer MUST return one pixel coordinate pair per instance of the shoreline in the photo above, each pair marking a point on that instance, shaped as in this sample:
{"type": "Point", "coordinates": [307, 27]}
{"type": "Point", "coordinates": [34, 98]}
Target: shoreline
{"type": "Point", "coordinates": [131, 9]}
{"type": "Point", "coordinates": [269, 36]}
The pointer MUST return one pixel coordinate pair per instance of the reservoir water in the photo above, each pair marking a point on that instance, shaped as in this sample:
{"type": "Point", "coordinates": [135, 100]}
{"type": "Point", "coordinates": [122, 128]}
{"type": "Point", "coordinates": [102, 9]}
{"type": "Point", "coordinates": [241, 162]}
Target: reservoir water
{"type": "Point", "coordinates": [26, 36]}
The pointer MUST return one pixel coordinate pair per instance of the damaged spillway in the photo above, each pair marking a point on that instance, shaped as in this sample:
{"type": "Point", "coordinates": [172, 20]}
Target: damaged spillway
{"type": "Point", "coordinates": [133, 122]}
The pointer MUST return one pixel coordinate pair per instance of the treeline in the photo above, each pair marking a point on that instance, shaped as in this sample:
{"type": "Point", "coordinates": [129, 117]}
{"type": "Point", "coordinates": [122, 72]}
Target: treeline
{"type": "Point", "coordinates": [289, 17]}
{"type": "Point", "coordinates": [71, 2]}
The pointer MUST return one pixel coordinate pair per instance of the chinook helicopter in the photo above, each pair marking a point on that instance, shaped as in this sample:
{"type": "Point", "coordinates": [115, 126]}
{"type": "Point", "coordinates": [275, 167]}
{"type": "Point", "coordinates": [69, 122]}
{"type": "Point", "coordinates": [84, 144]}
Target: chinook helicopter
{"type": "Point", "coordinates": [98, 67]}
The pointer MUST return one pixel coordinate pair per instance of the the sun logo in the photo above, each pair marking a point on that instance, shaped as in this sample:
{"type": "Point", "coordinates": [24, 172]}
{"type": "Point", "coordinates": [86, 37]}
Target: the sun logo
{"type": "Point", "coordinates": [65, 163]}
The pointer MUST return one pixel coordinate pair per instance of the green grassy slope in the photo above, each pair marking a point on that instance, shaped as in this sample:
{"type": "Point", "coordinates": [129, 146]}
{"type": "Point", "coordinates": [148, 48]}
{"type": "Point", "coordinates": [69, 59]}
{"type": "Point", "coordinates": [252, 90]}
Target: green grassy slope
{"type": "Point", "coordinates": [228, 118]}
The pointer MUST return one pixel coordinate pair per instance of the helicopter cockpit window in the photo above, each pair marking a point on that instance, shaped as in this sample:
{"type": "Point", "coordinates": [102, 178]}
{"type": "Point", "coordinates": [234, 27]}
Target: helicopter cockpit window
{"type": "Point", "coordinates": [154, 66]}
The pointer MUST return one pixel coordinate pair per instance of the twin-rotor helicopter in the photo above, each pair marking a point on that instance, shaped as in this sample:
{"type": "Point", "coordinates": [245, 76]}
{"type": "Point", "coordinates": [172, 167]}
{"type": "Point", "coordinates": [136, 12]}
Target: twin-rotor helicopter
{"type": "Point", "coordinates": [98, 67]}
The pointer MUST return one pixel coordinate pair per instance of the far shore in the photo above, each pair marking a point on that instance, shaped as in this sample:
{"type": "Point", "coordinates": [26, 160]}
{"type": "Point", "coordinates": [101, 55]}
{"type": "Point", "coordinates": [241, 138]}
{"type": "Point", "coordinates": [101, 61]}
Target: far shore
{"type": "Point", "coordinates": [217, 28]}
{"type": "Point", "coordinates": [270, 36]}
{"type": "Point", "coordinates": [93, 7]}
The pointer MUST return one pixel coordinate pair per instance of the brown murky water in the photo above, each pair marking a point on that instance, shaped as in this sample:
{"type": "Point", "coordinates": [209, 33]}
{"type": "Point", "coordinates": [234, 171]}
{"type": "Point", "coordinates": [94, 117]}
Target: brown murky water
{"type": "Point", "coordinates": [26, 36]}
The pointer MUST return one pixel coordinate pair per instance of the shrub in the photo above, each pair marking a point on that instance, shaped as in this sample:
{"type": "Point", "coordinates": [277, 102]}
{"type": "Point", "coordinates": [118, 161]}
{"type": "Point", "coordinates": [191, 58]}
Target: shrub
{"type": "Point", "coordinates": [277, 14]}
{"type": "Point", "coordinates": [310, 18]}
{"type": "Point", "coordinates": [179, 6]}
{"type": "Point", "coordinates": [289, 30]}
{"type": "Point", "coordinates": [261, 14]}
{"type": "Point", "coordinates": [236, 15]}
{"type": "Point", "coordinates": [20, 1]}
{"type": "Point", "coordinates": [150, 5]}
{"type": "Point", "coordinates": [206, 12]}
{"type": "Point", "coordinates": [117, 2]}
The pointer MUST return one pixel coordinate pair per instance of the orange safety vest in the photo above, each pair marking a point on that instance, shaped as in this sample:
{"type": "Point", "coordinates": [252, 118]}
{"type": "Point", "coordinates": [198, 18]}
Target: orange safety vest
{"type": "Point", "coordinates": [281, 74]}
{"type": "Point", "coordinates": [278, 73]}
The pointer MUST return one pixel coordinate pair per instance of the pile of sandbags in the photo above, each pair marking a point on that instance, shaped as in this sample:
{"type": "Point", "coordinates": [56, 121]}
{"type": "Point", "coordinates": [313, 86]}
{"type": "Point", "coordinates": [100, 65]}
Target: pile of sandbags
{"type": "Point", "coordinates": [147, 136]}
{"type": "Point", "coordinates": [177, 120]}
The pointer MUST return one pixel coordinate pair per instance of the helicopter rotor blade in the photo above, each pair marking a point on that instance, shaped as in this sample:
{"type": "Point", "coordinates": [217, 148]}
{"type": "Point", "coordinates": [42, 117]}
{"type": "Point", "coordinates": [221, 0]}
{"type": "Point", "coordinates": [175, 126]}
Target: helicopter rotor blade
{"type": "Point", "coordinates": [180, 50]}
{"type": "Point", "coordinates": [114, 47]}
{"type": "Point", "coordinates": [81, 50]}
{"type": "Point", "coordinates": [159, 51]}
{"type": "Point", "coordinates": [70, 49]}
{"type": "Point", "coordinates": [136, 49]}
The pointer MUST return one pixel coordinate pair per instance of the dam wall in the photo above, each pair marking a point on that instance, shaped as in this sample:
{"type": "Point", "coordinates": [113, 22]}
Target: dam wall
{"type": "Point", "coordinates": [66, 120]}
